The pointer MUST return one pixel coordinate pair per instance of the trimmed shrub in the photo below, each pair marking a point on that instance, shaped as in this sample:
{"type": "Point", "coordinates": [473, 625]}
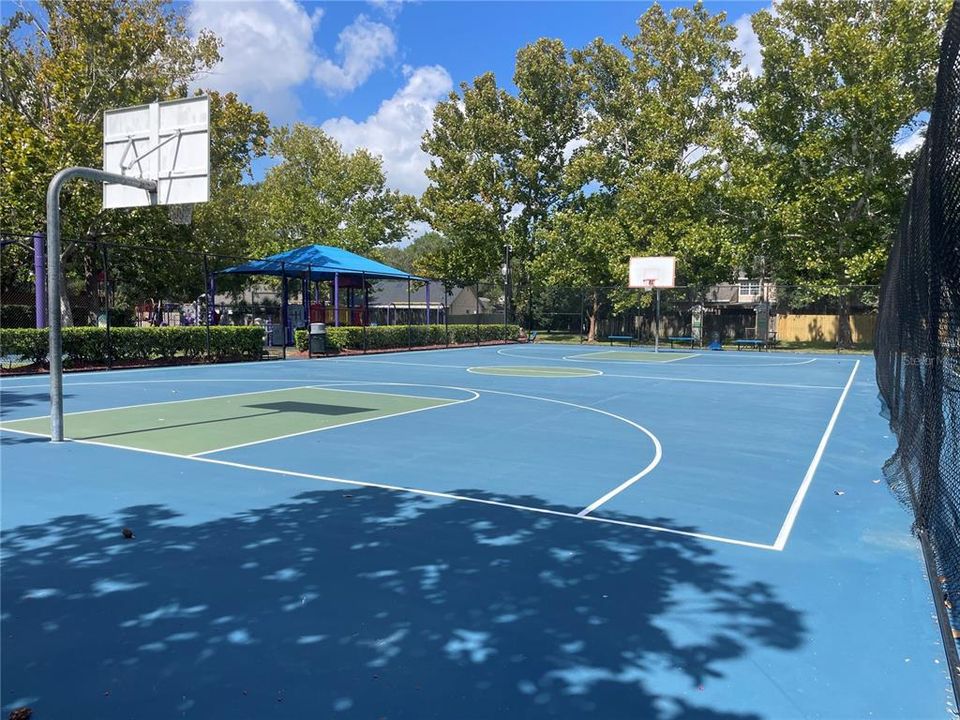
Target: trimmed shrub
{"type": "Point", "coordinates": [30, 344]}
{"type": "Point", "coordinates": [88, 345]}
{"type": "Point", "coordinates": [385, 337]}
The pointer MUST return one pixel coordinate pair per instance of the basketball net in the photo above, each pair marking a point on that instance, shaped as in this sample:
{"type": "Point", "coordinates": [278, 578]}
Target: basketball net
{"type": "Point", "coordinates": [181, 214]}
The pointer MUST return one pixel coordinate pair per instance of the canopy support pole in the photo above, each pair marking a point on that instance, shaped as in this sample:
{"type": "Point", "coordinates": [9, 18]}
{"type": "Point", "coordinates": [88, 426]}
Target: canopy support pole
{"type": "Point", "coordinates": [336, 299]}
{"type": "Point", "coordinates": [283, 306]}
{"type": "Point", "coordinates": [366, 309]}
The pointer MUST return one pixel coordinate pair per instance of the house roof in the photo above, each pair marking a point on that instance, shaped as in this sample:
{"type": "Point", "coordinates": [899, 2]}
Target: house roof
{"type": "Point", "coordinates": [322, 261]}
{"type": "Point", "coordinates": [396, 294]}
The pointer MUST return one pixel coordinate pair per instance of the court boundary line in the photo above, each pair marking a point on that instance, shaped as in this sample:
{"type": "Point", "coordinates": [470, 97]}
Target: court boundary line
{"type": "Point", "coordinates": [723, 363]}
{"type": "Point", "coordinates": [164, 402]}
{"type": "Point", "coordinates": [443, 402]}
{"type": "Point", "coordinates": [787, 527]}
{"type": "Point", "coordinates": [729, 382]}
{"type": "Point", "coordinates": [547, 372]}
{"type": "Point", "coordinates": [427, 493]}
{"type": "Point", "coordinates": [641, 377]}
{"type": "Point", "coordinates": [649, 352]}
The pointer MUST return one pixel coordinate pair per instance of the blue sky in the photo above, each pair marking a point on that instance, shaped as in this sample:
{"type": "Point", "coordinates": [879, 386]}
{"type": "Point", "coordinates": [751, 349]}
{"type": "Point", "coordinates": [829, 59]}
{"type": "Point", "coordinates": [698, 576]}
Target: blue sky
{"type": "Point", "coordinates": [370, 73]}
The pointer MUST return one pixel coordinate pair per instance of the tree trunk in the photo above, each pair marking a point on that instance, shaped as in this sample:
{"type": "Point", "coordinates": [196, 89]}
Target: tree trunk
{"type": "Point", "coordinates": [844, 334]}
{"type": "Point", "coordinates": [592, 314]}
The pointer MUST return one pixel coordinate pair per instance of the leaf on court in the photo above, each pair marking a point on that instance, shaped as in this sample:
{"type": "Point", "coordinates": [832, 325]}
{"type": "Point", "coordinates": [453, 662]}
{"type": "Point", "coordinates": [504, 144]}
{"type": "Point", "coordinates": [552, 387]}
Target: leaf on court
{"type": "Point", "coordinates": [838, 492]}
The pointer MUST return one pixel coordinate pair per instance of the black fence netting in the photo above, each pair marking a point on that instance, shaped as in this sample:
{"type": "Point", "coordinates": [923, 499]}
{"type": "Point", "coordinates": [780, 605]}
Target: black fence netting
{"type": "Point", "coordinates": [918, 346]}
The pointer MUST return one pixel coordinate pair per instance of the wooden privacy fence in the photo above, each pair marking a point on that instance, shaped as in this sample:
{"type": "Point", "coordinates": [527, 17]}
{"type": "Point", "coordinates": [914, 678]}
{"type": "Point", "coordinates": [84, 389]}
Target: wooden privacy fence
{"type": "Point", "coordinates": [823, 328]}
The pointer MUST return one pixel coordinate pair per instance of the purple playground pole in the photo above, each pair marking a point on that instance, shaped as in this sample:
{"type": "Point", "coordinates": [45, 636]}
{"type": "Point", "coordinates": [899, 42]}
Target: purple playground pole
{"type": "Point", "coordinates": [336, 299]}
{"type": "Point", "coordinates": [39, 280]}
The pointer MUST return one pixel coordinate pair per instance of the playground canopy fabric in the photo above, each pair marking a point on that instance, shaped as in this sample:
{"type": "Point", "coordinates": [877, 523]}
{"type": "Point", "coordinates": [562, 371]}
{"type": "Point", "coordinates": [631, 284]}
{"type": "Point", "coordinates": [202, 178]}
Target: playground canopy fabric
{"type": "Point", "coordinates": [323, 263]}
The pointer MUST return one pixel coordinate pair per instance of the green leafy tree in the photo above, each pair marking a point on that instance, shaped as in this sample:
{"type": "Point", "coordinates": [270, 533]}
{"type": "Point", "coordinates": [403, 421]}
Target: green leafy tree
{"type": "Point", "coordinates": [63, 64]}
{"type": "Point", "coordinates": [317, 193]}
{"type": "Point", "coordinates": [473, 142]}
{"type": "Point", "coordinates": [660, 115]}
{"type": "Point", "coordinates": [411, 257]}
{"type": "Point", "coordinates": [818, 183]}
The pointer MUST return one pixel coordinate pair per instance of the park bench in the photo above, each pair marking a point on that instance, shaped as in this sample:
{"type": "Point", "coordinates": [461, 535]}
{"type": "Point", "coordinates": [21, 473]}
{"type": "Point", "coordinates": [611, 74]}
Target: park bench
{"type": "Point", "coordinates": [621, 338]}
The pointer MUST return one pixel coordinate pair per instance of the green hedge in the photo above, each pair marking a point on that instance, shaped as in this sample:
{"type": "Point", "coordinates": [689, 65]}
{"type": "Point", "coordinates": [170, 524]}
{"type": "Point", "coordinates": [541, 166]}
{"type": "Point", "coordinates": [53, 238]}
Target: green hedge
{"type": "Point", "coordinates": [400, 336]}
{"type": "Point", "coordinates": [88, 345]}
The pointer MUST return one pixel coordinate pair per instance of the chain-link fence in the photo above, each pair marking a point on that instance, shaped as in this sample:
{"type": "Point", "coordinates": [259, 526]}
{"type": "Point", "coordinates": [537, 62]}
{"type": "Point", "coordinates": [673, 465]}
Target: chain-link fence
{"type": "Point", "coordinates": [112, 285]}
{"type": "Point", "coordinates": [918, 348]}
{"type": "Point", "coordinates": [768, 313]}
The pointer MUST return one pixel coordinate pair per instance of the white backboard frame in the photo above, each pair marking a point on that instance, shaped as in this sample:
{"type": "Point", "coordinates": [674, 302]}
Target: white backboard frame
{"type": "Point", "coordinates": [652, 272]}
{"type": "Point", "coordinates": [168, 142]}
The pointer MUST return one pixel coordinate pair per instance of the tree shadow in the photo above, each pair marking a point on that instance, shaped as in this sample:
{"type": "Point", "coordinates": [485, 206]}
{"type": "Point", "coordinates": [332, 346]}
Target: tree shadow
{"type": "Point", "coordinates": [370, 604]}
{"type": "Point", "coordinates": [11, 399]}
{"type": "Point", "coordinates": [8, 438]}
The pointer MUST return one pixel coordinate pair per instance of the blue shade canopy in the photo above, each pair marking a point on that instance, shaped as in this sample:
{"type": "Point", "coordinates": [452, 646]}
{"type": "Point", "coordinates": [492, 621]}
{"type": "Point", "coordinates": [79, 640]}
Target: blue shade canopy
{"type": "Point", "coordinates": [322, 261]}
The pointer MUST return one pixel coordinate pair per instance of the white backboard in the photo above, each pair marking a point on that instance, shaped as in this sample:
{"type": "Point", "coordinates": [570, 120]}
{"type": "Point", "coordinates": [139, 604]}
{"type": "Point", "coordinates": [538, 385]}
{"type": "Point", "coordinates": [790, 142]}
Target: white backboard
{"type": "Point", "coordinates": [168, 142]}
{"type": "Point", "coordinates": [652, 272]}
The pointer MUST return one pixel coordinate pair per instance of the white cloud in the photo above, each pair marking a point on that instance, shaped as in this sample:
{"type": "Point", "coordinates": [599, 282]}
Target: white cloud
{"type": "Point", "coordinates": [910, 142]}
{"type": "Point", "coordinates": [748, 43]}
{"type": "Point", "coordinates": [390, 8]}
{"type": "Point", "coordinates": [267, 51]}
{"type": "Point", "coordinates": [364, 47]}
{"type": "Point", "coordinates": [394, 132]}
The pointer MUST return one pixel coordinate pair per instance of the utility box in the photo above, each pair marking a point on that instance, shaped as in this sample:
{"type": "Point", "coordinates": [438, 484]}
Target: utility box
{"type": "Point", "coordinates": [318, 339]}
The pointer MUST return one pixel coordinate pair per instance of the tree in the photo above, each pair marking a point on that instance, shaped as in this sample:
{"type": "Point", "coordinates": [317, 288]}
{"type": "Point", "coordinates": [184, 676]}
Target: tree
{"type": "Point", "coordinates": [64, 63]}
{"type": "Point", "coordinates": [320, 194]}
{"type": "Point", "coordinates": [660, 113]}
{"type": "Point", "coordinates": [583, 249]}
{"type": "Point", "coordinates": [841, 81]}
{"type": "Point", "coordinates": [413, 257]}
{"type": "Point", "coordinates": [473, 142]}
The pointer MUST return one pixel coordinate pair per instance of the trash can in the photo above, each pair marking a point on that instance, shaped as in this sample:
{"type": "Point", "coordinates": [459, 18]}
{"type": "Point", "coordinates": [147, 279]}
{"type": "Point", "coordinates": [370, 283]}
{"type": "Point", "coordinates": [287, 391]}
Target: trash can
{"type": "Point", "coordinates": [318, 339]}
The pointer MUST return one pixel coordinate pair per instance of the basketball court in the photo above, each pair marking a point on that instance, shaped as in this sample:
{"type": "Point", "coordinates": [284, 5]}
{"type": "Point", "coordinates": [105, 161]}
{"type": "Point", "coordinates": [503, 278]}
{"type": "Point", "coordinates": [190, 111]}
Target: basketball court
{"type": "Point", "coordinates": [537, 530]}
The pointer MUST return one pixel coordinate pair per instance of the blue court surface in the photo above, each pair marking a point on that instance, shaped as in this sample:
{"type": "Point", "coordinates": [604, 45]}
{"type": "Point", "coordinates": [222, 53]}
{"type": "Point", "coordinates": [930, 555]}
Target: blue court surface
{"type": "Point", "coordinates": [522, 531]}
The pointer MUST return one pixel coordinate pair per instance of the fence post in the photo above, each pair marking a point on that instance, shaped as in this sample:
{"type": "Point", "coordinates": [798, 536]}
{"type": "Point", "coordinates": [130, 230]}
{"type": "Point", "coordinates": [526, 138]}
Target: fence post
{"type": "Point", "coordinates": [446, 312]}
{"type": "Point", "coordinates": [409, 342]}
{"type": "Point", "coordinates": [106, 302]}
{"type": "Point", "coordinates": [283, 308]}
{"type": "Point", "coordinates": [206, 292]}
{"type": "Point", "coordinates": [366, 309]}
{"type": "Point", "coordinates": [581, 314]}
{"type": "Point", "coordinates": [478, 313]}
{"type": "Point", "coordinates": [39, 280]}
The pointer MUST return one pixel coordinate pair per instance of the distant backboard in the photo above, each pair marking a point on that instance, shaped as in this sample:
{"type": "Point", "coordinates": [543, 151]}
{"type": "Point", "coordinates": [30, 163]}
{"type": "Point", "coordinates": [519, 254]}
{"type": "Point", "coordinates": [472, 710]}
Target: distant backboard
{"type": "Point", "coordinates": [652, 272]}
{"type": "Point", "coordinates": [168, 142]}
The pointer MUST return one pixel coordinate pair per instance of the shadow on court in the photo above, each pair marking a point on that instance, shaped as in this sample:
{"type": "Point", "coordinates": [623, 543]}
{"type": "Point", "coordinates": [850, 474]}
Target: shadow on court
{"type": "Point", "coordinates": [368, 604]}
{"type": "Point", "coordinates": [13, 399]}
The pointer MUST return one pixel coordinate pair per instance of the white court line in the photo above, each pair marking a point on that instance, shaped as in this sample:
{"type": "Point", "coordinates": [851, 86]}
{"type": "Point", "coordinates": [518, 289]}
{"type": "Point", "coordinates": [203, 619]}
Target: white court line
{"type": "Point", "coordinates": [430, 493]}
{"type": "Point", "coordinates": [544, 372]}
{"type": "Point", "coordinates": [373, 392]}
{"type": "Point", "coordinates": [363, 361]}
{"type": "Point", "coordinates": [208, 381]}
{"type": "Point", "coordinates": [784, 534]}
{"type": "Point", "coordinates": [446, 402]}
{"type": "Point", "coordinates": [757, 363]}
{"type": "Point", "coordinates": [168, 402]}
{"type": "Point", "coordinates": [686, 356]}
{"type": "Point", "coordinates": [647, 377]}
{"type": "Point", "coordinates": [728, 382]}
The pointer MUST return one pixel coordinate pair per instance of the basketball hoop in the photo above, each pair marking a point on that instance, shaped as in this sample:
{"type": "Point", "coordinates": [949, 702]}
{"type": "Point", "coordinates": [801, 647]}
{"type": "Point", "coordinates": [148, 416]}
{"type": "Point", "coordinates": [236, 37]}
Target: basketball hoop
{"type": "Point", "coordinates": [181, 214]}
{"type": "Point", "coordinates": [649, 283]}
